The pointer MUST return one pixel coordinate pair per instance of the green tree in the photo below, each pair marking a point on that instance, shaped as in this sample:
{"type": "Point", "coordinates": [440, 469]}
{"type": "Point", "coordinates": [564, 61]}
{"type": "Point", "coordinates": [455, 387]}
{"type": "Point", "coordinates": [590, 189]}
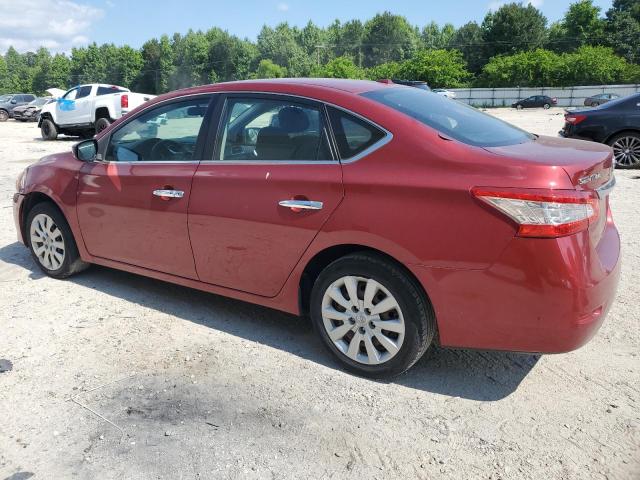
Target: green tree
{"type": "Point", "coordinates": [525, 69]}
{"type": "Point", "coordinates": [388, 38]}
{"type": "Point", "coordinates": [157, 66]}
{"type": "Point", "coordinates": [340, 67]}
{"type": "Point", "coordinates": [468, 40]}
{"type": "Point", "coordinates": [281, 47]}
{"type": "Point", "coordinates": [595, 66]}
{"type": "Point", "coordinates": [439, 68]}
{"type": "Point", "coordinates": [230, 58]}
{"type": "Point", "coordinates": [346, 39]}
{"type": "Point", "coordinates": [623, 29]}
{"type": "Point", "coordinates": [268, 69]}
{"type": "Point", "coordinates": [435, 37]}
{"type": "Point", "coordinates": [581, 25]}
{"type": "Point", "coordinates": [4, 76]}
{"type": "Point", "coordinates": [513, 28]}
{"type": "Point", "coordinates": [384, 71]}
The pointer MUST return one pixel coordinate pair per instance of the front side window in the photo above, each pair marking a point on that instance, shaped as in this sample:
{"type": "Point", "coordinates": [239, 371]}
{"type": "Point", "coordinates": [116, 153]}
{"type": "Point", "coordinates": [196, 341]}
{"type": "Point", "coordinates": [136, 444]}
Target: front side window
{"type": "Point", "coordinates": [353, 135]}
{"type": "Point", "coordinates": [164, 133]}
{"type": "Point", "coordinates": [269, 129]}
{"type": "Point", "coordinates": [84, 91]}
{"type": "Point", "coordinates": [452, 118]}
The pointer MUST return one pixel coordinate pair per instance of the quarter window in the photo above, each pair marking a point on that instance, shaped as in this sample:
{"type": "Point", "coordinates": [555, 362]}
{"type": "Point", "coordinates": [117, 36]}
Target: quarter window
{"type": "Point", "coordinates": [165, 133]}
{"type": "Point", "coordinates": [353, 135]}
{"type": "Point", "coordinates": [268, 129]}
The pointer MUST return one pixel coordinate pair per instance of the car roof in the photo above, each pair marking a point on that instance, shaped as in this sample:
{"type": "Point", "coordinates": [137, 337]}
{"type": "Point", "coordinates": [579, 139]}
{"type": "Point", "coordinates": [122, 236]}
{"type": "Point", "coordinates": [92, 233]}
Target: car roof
{"type": "Point", "coordinates": [345, 85]}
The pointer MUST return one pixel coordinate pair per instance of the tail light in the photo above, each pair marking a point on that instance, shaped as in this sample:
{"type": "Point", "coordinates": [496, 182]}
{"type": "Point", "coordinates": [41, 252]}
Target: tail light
{"type": "Point", "coordinates": [574, 119]}
{"type": "Point", "coordinates": [544, 213]}
{"type": "Point", "coordinates": [124, 101]}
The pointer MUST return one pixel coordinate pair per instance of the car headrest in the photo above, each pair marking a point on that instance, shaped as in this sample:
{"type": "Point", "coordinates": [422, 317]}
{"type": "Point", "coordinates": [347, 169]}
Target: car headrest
{"type": "Point", "coordinates": [293, 119]}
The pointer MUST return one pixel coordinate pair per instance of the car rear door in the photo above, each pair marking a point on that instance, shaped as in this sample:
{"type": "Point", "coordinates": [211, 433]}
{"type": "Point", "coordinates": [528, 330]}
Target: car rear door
{"type": "Point", "coordinates": [132, 202]}
{"type": "Point", "coordinates": [272, 185]}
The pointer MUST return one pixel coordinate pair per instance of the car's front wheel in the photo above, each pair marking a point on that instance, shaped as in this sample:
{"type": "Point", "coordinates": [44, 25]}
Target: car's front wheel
{"type": "Point", "coordinates": [519, 107]}
{"type": "Point", "coordinates": [626, 149]}
{"type": "Point", "coordinates": [48, 129]}
{"type": "Point", "coordinates": [546, 106]}
{"type": "Point", "coordinates": [101, 124]}
{"type": "Point", "coordinates": [51, 242]}
{"type": "Point", "coordinates": [372, 315]}
{"type": "Point", "coordinates": [4, 115]}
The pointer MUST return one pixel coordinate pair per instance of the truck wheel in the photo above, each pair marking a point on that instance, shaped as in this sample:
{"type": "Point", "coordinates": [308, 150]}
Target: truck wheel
{"type": "Point", "coordinates": [101, 124]}
{"type": "Point", "coordinates": [4, 115]}
{"type": "Point", "coordinates": [48, 130]}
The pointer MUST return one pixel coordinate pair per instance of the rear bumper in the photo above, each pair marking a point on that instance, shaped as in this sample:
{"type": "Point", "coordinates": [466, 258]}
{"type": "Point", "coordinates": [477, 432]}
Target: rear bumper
{"type": "Point", "coordinates": [543, 295]}
{"type": "Point", "coordinates": [17, 209]}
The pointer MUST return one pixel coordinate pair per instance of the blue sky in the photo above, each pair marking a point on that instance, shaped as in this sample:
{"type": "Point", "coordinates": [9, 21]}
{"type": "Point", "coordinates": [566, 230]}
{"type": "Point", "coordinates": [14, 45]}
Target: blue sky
{"type": "Point", "coordinates": [61, 24]}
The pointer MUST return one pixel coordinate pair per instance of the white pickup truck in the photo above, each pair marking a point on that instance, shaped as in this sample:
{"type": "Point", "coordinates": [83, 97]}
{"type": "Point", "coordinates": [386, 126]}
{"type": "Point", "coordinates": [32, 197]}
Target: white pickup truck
{"type": "Point", "coordinates": [87, 109]}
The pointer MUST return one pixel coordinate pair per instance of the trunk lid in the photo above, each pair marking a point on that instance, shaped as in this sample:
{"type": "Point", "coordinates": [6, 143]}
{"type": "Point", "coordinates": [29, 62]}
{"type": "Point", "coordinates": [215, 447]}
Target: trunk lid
{"type": "Point", "coordinates": [589, 165]}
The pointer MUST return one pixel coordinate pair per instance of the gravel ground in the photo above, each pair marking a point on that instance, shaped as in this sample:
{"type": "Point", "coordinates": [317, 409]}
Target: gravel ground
{"type": "Point", "coordinates": [119, 376]}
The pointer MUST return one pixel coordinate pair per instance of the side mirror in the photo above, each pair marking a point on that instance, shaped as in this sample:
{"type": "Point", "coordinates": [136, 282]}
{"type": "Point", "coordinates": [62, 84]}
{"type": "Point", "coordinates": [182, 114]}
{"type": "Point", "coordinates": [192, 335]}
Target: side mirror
{"type": "Point", "coordinates": [86, 150]}
{"type": "Point", "coordinates": [13, 102]}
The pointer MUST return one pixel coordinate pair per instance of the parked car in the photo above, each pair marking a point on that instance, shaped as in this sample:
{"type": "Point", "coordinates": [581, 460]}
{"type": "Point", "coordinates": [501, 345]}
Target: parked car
{"type": "Point", "coordinates": [393, 216]}
{"type": "Point", "coordinates": [616, 123]}
{"type": "Point", "coordinates": [536, 101]}
{"type": "Point", "coordinates": [445, 92]}
{"type": "Point", "coordinates": [87, 109]}
{"type": "Point", "coordinates": [30, 111]}
{"type": "Point", "coordinates": [9, 102]}
{"type": "Point", "coordinates": [595, 100]}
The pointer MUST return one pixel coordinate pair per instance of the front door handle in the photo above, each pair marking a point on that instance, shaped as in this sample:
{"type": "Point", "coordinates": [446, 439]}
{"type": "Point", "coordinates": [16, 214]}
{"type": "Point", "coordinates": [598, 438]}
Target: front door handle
{"type": "Point", "coordinates": [167, 194]}
{"type": "Point", "coordinates": [297, 205]}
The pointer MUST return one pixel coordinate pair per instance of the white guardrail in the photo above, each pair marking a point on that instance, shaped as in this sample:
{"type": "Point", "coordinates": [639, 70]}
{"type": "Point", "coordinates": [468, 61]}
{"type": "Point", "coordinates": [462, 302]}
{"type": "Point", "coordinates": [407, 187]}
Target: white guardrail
{"type": "Point", "coordinates": [567, 96]}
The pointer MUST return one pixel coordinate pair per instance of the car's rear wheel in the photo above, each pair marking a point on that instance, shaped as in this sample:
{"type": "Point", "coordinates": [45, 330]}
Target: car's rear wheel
{"type": "Point", "coordinates": [4, 115]}
{"type": "Point", "coordinates": [595, 104]}
{"type": "Point", "coordinates": [626, 150]}
{"type": "Point", "coordinates": [546, 106]}
{"type": "Point", "coordinates": [48, 129]}
{"type": "Point", "coordinates": [372, 315]}
{"type": "Point", "coordinates": [101, 124]}
{"type": "Point", "coordinates": [51, 242]}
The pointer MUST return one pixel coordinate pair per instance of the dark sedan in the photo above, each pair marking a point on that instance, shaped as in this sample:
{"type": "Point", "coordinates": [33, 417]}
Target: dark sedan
{"type": "Point", "coordinates": [616, 123]}
{"type": "Point", "coordinates": [535, 101]}
{"type": "Point", "coordinates": [595, 100]}
{"type": "Point", "coordinates": [11, 101]}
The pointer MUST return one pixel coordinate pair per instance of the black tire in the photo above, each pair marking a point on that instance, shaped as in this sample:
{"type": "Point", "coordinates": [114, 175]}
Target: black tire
{"type": "Point", "coordinates": [595, 104]}
{"type": "Point", "coordinates": [634, 144]}
{"type": "Point", "coordinates": [101, 124]}
{"type": "Point", "coordinates": [4, 115]}
{"type": "Point", "coordinates": [519, 107]}
{"type": "Point", "coordinates": [546, 106]}
{"type": "Point", "coordinates": [71, 262]}
{"type": "Point", "coordinates": [48, 129]}
{"type": "Point", "coordinates": [419, 318]}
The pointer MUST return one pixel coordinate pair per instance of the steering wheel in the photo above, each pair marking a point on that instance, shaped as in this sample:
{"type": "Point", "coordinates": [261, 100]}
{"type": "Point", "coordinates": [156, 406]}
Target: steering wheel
{"type": "Point", "coordinates": [168, 150]}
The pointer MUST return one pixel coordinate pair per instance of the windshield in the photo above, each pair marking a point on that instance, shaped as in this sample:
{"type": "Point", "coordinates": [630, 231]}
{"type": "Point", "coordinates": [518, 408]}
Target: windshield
{"type": "Point", "coordinates": [628, 101]}
{"type": "Point", "coordinates": [450, 117]}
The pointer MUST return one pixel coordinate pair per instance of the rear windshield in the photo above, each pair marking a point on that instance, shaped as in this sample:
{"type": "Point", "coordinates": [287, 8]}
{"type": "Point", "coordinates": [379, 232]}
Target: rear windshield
{"type": "Point", "coordinates": [450, 117]}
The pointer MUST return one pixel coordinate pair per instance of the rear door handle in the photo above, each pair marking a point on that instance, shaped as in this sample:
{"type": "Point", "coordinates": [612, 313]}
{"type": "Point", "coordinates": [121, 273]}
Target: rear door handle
{"type": "Point", "coordinates": [166, 194]}
{"type": "Point", "coordinates": [301, 204]}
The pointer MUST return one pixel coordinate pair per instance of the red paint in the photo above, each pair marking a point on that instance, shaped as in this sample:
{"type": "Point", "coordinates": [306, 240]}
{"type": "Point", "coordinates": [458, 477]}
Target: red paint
{"type": "Point", "coordinates": [411, 199]}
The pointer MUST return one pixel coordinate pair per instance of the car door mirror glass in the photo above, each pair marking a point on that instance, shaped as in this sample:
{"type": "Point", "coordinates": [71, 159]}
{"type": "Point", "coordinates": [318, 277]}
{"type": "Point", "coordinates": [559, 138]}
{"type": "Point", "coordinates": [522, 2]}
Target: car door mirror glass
{"type": "Point", "coordinates": [86, 151]}
{"type": "Point", "coordinates": [13, 102]}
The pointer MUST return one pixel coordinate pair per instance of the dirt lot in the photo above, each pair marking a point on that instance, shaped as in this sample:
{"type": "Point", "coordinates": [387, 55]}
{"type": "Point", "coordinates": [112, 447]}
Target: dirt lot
{"type": "Point", "coordinates": [118, 376]}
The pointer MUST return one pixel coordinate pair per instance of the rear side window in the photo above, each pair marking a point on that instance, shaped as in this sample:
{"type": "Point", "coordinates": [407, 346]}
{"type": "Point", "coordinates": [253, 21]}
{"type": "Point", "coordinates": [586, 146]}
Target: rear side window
{"type": "Point", "coordinates": [109, 90]}
{"type": "Point", "coordinates": [84, 91]}
{"type": "Point", "coordinates": [29, 98]}
{"type": "Point", "coordinates": [353, 135]}
{"type": "Point", "coordinates": [452, 118]}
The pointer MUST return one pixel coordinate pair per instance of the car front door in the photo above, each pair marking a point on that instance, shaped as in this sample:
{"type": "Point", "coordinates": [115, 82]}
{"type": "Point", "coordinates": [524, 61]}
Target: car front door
{"type": "Point", "coordinates": [65, 107]}
{"type": "Point", "coordinates": [272, 185]}
{"type": "Point", "coordinates": [132, 202]}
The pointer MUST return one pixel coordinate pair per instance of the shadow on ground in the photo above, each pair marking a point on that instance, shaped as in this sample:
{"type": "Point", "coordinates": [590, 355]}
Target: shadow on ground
{"type": "Point", "coordinates": [476, 375]}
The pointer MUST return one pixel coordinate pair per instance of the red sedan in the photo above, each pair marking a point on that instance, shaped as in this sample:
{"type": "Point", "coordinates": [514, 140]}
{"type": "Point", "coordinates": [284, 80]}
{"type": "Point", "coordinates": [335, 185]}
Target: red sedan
{"type": "Point", "coordinates": [394, 217]}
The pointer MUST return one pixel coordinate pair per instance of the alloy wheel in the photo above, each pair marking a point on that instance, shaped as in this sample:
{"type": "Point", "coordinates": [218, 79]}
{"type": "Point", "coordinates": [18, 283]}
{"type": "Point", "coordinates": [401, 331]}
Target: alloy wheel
{"type": "Point", "coordinates": [626, 151]}
{"type": "Point", "coordinates": [47, 242]}
{"type": "Point", "coordinates": [363, 320]}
